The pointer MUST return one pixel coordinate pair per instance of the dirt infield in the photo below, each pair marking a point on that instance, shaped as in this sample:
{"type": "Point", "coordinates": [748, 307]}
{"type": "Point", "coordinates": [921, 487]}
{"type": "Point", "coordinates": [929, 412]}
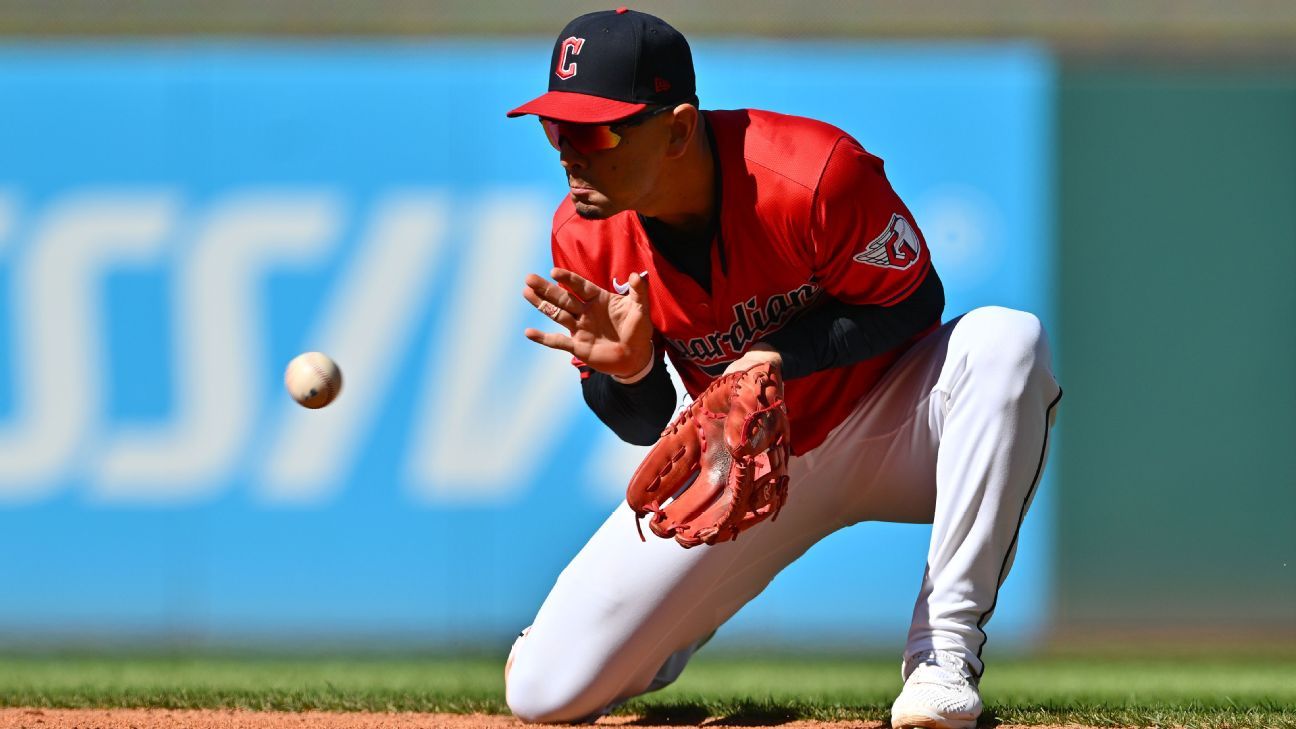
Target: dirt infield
{"type": "Point", "coordinates": [232, 719]}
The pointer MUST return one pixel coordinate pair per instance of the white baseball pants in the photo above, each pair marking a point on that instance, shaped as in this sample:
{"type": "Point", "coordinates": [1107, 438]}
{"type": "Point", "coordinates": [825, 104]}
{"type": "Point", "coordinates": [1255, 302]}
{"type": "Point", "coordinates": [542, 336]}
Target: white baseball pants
{"type": "Point", "coordinates": [955, 435]}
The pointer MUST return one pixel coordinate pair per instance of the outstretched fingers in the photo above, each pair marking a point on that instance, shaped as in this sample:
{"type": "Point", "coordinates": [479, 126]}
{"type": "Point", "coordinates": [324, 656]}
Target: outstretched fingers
{"type": "Point", "coordinates": [576, 283]}
{"type": "Point", "coordinates": [552, 340]}
{"type": "Point", "coordinates": [550, 291]}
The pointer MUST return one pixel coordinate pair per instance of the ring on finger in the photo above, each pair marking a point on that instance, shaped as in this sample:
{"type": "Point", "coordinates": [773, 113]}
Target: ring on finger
{"type": "Point", "coordinates": [548, 309]}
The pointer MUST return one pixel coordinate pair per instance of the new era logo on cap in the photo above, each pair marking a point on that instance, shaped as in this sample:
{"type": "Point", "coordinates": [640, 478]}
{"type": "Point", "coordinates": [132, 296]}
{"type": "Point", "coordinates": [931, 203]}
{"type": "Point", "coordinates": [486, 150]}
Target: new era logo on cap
{"type": "Point", "coordinates": [613, 64]}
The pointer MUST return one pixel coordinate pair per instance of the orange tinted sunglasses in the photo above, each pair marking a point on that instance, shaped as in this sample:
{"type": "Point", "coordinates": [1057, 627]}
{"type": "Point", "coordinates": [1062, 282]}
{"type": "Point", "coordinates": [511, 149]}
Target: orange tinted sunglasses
{"type": "Point", "coordinates": [590, 138]}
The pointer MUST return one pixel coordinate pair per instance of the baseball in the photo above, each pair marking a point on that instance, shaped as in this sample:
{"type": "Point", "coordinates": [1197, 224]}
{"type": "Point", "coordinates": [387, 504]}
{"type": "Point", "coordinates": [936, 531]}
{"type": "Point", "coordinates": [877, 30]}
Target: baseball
{"type": "Point", "coordinates": [313, 380]}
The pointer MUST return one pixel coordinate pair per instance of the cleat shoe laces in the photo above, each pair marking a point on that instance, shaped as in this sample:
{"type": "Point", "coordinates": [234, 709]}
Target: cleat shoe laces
{"type": "Point", "coordinates": [940, 692]}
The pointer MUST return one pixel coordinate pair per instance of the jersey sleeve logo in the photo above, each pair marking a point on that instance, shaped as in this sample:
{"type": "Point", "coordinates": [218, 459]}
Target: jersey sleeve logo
{"type": "Point", "coordinates": [898, 246]}
{"type": "Point", "coordinates": [567, 67]}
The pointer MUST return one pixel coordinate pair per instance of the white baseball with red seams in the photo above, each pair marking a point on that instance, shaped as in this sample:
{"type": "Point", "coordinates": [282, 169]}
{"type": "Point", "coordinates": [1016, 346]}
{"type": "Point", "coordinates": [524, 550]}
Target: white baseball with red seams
{"type": "Point", "coordinates": [313, 379]}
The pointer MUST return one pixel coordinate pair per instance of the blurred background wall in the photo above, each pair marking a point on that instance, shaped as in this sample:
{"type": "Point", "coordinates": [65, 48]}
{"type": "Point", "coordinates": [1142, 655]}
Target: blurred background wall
{"type": "Point", "coordinates": [1178, 510]}
{"type": "Point", "coordinates": [1168, 251]}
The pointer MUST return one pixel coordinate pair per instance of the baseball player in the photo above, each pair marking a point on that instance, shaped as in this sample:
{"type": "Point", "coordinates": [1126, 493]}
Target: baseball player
{"type": "Point", "coordinates": [729, 240]}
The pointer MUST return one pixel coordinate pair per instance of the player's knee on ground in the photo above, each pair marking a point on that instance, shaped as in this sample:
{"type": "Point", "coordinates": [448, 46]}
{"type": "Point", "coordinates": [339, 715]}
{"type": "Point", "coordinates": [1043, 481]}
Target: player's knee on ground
{"type": "Point", "coordinates": [1010, 348]}
{"type": "Point", "coordinates": [545, 689]}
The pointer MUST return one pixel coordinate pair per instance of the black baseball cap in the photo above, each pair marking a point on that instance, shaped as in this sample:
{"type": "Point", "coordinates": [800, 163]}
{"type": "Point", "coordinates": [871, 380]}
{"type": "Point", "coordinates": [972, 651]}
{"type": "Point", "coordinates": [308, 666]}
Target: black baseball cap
{"type": "Point", "coordinates": [613, 64]}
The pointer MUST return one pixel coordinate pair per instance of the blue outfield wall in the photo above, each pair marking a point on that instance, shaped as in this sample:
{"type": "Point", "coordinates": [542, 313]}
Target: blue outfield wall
{"type": "Point", "coordinates": [178, 219]}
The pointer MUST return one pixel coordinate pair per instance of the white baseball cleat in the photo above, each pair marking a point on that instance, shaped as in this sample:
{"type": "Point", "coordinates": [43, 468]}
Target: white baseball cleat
{"type": "Point", "coordinates": [940, 693]}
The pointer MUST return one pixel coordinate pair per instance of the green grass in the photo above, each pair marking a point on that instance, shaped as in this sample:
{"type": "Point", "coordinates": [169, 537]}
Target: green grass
{"type": "Point", "coordinates": [1103, 692]}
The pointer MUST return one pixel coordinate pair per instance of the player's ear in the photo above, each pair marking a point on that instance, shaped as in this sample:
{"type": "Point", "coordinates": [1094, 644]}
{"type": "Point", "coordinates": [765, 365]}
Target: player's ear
{"type": "Point", "coordinates": [684, 124]}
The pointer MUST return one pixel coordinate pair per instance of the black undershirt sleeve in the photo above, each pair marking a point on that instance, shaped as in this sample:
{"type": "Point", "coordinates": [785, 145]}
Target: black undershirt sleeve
{"type": "Point", "coordinates": [637, 413]}
{"type": "Point", "coordinates": [837, 334]}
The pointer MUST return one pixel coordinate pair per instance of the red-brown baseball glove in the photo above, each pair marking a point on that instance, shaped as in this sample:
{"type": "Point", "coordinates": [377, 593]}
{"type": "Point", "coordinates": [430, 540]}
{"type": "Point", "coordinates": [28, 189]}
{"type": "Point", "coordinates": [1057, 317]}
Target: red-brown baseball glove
{"type": "Point", "coordinates": [734, 439]}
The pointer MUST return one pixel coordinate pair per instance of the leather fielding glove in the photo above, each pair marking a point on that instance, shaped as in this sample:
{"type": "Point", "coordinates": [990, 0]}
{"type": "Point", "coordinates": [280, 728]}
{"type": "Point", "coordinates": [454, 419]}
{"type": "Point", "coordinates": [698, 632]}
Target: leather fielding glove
{"type": "Point", "coordinates": [723, 459]}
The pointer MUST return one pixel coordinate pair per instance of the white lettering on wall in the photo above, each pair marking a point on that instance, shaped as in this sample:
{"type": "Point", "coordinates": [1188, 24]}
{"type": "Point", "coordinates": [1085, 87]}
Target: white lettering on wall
{"type": "Point", "coordinates": [58, 333]}
{"type": "Point", "coordinates": [488, 406]}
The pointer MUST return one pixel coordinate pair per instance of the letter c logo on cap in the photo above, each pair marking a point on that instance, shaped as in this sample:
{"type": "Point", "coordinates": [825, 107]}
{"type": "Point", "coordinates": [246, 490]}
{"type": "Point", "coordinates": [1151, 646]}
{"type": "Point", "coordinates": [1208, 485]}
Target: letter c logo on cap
{"type": "Point", "coordinates": [567, 67]}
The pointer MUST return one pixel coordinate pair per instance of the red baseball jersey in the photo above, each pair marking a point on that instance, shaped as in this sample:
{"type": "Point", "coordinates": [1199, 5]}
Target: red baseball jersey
{"type": "Point", "coordinates": [804, 212]}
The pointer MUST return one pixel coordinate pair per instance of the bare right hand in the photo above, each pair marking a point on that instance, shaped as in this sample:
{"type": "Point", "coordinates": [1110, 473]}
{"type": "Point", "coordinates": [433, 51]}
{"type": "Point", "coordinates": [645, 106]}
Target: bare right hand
{"type": "Point", "coordinates": [609, 332]}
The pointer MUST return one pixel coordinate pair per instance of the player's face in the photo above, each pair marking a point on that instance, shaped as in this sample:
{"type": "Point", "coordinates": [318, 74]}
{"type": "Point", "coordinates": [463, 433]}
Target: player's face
{"type": "Point", "coordinates": [604, 182]}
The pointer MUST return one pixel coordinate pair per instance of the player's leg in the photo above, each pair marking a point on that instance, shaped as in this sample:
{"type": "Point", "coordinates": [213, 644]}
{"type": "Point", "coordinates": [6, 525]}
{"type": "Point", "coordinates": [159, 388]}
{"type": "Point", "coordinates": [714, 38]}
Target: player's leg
{"type": "Point", "coordinates": [965, 416]}
{"type": "Point", "coordinates": [999, 400]}
{"type": "Point", "coordinates": [985, 444]}
{"type": "Point", "coordinates": [624, 617]}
